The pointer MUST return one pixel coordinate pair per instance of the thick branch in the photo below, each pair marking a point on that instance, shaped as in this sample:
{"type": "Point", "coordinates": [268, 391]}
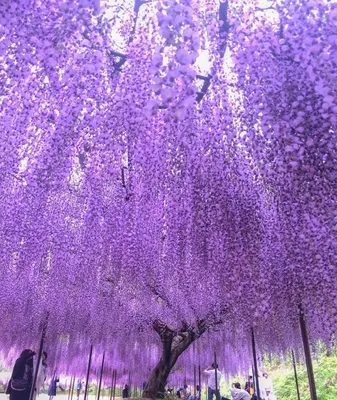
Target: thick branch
{"type": "Point", "coordinates": [162, 328]}
{"type": "Point", "coordinates": [160, 296]}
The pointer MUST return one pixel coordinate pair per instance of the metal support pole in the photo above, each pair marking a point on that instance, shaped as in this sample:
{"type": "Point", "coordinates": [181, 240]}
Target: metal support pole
{"type": "Point", "coordinates": [44, 329]}
{"type": "Point", "coordinates": [255, 366]}
{"type": "Point", "coordinates": [115, 382]}
{"type": "Point", "coordinates": [306, 345]}
{"type": "Point", "coordinates": [100, 378]}
{"type": "Point", "coordinates": [72, 389]}
{"type": "Point", "coordinates": [112, 383]}
{"type": "Point", "coordinates": [88, 374]}
{"type": "Point", "coordinates": [195, 380]}
{"type": "Point", "coordinates": [199, 373]}
{"type": "Point", "coordinates": [70, 386]}
{"type": "Point", "coordinates": [295, 373]}
{"type": "Point", "coordinates": [217, 392]}
{"type": "Point", "coordinates": [254, 379]}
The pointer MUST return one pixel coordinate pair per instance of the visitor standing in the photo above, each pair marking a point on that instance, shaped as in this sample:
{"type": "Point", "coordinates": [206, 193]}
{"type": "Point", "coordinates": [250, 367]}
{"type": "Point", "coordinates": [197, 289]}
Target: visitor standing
{"type": "Point", "coordinates": [266, 387]}
{"type": "Point", "coordinates": [238, 393]}
{"type": "Point", "coordinates": [41, 374]}
{"type": "Point", "coordinates": [52, 388]}
{"type": "Point", "coordinates": [249, 386]}
{"type": "Point", "coordinates": [20, 384]}
{"type": "Point", "coordinates": [195, 396]}
{"type": "Point", "coordinates": [185, 393]}
{"type": "Point", "coordinates": [78, 388]}
{"type": "Point", "coordinates": [213, 388]}
{"type": "Point", "coordinates": [197, 393]}
{"type": "Point", "coordinates": [125, 393]}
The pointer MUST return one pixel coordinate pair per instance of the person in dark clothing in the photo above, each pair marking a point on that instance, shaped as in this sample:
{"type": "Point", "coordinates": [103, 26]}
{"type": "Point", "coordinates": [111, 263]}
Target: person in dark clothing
{"type": "Point", "coordinates": [52, 388]}
{"type": "Point", "coordinates": [20, 384]}
{"type": "Point", "coordinates": [249, 386]}
{"type": "Point", "coordinates": [125, 392]}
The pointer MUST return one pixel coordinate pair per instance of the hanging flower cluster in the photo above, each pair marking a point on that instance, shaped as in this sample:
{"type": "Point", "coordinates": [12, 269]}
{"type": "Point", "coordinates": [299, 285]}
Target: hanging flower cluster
{"type": "Point", "coordinates": [125, 200]}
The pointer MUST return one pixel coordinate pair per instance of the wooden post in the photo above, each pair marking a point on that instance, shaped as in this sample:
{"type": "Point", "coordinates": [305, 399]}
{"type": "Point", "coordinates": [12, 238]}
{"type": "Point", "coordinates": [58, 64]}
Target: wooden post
{"type": "Point", "coordinates": [255, 366]}
{"type": "Point", "coordinates": [72, 389]}
{"type": "Point", "coordinates": [115, 382]}
{"type": "Point", "coordinates": [254, 377]}
{"type": "Point", "coordinates": [88, 374]}
{"type": "Point", "coordinates": [199, 373]}
{"type": "Point", "coordinates": [70, 386]}
{"type": "Point", "coordinates": [195, 380]}
{"type": "Point", "coordinates": [306, 346]}
{"type": "Point", "coordinates": [44, 329]}
{"type": "Point", "coordinates": [217, 391]}
{"type": "Point", "coordinates": [295, 373]}
{"type": "Point", "coordinates": [100, 378]}
{"type": "Point", "coordinates": [112, 383]}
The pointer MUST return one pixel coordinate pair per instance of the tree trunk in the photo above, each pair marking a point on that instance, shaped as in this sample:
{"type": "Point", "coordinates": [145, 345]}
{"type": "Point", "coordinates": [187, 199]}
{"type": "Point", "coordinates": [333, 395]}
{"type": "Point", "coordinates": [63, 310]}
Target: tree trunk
{"type": "Point", "coordinates": [174, 344]}
{"type": "Point", "coordinates": [155, 387]}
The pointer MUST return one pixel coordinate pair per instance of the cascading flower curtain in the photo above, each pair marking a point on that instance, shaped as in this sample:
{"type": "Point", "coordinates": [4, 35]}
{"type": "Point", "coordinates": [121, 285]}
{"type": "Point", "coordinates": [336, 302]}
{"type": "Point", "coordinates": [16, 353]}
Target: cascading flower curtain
{"type": "Point", "coordinates": [124, 200]}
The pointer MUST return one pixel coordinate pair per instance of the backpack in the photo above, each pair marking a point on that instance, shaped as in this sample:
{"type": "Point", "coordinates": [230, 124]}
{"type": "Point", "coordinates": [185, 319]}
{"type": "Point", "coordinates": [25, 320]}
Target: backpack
{"type": "Point", "coordinates": [19, 384]}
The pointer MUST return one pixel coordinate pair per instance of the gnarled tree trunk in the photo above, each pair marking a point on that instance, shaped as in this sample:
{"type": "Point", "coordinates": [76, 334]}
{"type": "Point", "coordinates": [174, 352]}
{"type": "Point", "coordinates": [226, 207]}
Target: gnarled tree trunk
{"type": "Point", "coordinates": [174, 342]}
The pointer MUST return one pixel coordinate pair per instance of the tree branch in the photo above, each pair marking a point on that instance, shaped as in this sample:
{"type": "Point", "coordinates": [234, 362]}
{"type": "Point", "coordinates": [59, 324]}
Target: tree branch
{"type": "Point", "coordinates": [161, 296]}
{"type": "Point", "coordinates": [162, 328]}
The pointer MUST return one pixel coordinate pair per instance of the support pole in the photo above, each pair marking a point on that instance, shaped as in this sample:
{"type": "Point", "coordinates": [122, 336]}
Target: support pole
{"type": "Point", "coordinates": [306, 346]}
{"type": "Point", "coordinates": [88, 374]}
{"type": "Point", "coordinates": [254, 379]}
{"type": "Point", "coordinates": [44, 329]}
{"type": "Point", "coordinates": [199, 373]}
{"type": "Point", "coordinates": [115, 382]}
{"type": "Point", "coordinates": [216, 378]}
{"type": "Point", "coordinates": [72, 389]}
{"type": "Point", "coordinates": [255, 366]}
{"type": "Point", "coordinates": [70, 386]}
{"type": "Point", "coordinates": [195, 380]}
{"type": "Point", "coordinates": [295, 373]}
{"type": "Point", "coordinates": [112, 383]}
{"type": "Point", "coordinates": [100, 378]}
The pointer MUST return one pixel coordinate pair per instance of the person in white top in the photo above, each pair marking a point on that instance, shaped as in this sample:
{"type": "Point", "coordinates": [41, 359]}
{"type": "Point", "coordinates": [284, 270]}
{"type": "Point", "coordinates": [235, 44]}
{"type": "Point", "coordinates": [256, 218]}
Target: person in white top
{"type": "Point", "coordinates": [238, 393]}
{"type": "Point", "coordinates": [266, 387]}
{"type": "Point", "coordinates": [41, 374]}
{"type": "Point", "coordinates": [213, 373]}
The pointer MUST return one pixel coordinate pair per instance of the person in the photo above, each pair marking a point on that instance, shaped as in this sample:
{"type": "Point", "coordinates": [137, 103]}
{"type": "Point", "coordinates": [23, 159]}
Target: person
{"type": "Point", "coordinates": [79, 388]}
{"type": "Point", "coordinates": [238, 393]}
{"type": "Point", "coordinates": [41, 374]}
{"type": "Point", "coordinates": [20, 384]}
{"type": "Point", "coordinates": [185, 393]}
{"type": "Point", "coordinates": [266, 388]}
{"type": "Point", "coordinates": [249, 386]}
{"type": "Point", "coordinates": [195, 396]}
{"type": "Point", "coordinates": [52, 388]}
{"type": "Point", "coordinates": [125, 393]}
{"type": "Point", "coordinates": [197, 393]}
{"type": "Point", "coordinates": [213, 373]}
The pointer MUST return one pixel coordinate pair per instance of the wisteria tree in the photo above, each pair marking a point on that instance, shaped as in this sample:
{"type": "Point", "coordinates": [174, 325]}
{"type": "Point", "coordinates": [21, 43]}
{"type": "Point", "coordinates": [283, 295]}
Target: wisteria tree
{"type": "Point", "coordinates": [167, 167]}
